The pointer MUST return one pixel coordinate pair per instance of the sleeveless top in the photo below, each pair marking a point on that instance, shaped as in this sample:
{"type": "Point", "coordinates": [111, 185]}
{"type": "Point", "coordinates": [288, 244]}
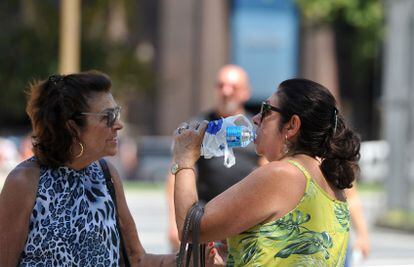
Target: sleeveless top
{"type": "Point", "coordinates": [213, 177]}
{"type": "Point", "coordinates": [73, 220]}
{"type": "Point", "coordinates": [315, 233]}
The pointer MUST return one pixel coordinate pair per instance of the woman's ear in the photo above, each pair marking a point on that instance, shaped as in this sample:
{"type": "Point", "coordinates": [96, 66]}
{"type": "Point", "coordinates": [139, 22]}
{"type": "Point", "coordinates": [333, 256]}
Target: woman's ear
{"type": "Point", "coordinates": [293, 126]}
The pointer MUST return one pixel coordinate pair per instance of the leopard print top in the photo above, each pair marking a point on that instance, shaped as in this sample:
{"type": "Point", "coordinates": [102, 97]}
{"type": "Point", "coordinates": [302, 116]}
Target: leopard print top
{"type": "Point", "coordinates": [73, 220]}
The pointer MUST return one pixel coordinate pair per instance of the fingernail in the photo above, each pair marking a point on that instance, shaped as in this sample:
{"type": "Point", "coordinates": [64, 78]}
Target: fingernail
{"type": "Point", "coordinates": [211, 244]}
{"type": "Point", "coordinates": [213, 251]}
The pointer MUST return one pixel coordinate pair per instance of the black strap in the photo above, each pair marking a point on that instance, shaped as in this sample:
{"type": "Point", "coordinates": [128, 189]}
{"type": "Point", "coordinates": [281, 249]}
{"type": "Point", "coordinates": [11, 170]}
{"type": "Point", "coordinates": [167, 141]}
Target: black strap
{"type": "Point", "coordinates": [111, 190]}
{"type": "Point", "coordinates": [192, 223]}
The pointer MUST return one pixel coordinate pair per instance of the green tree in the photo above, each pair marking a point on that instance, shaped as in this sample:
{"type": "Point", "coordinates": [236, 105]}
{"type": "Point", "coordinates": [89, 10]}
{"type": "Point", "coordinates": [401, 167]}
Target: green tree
{"type": "Point", "coordinates": [358, 28]}
{"type": "Point", "coordinates": [364, 16]}
{"type": "Point", "coordinates": [29, 46]}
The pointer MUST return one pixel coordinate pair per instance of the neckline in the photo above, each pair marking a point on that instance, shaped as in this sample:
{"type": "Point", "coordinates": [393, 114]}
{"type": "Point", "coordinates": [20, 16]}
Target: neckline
{"type": "Point", "coordinates": [80, 171]}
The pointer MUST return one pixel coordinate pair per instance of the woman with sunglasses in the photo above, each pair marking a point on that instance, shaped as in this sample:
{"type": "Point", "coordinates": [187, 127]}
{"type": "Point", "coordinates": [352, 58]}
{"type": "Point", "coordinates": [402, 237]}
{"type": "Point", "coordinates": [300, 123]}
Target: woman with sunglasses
{"type": "Point", "coordinates": [291, 211]}
{"type": "Point", "coordinates": [60, 208]}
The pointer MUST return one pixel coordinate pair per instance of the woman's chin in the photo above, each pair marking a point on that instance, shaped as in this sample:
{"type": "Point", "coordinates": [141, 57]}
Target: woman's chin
{"type": "Point", "coordinates": [112, 152]}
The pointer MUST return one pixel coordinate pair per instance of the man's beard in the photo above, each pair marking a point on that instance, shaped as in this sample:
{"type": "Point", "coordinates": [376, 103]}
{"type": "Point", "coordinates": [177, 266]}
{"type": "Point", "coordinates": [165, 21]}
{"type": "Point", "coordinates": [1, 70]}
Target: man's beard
{"type": "Point", "coordinates": [231, 107]}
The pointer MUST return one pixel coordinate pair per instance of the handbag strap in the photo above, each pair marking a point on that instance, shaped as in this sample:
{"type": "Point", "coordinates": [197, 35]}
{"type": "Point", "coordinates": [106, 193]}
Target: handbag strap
{"type": "Point", "coordinates": [192, 223]}
{"type": "Point", "coordinates": [111, 189]}
{"type": "Point", "coordinates": [196, 236]}
{"type": "Point", "coordinates": [184, 241]}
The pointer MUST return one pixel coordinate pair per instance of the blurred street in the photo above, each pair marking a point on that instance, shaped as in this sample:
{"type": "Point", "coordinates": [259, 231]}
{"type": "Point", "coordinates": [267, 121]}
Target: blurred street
{"type": "Point", "coordinates": [389, 247]}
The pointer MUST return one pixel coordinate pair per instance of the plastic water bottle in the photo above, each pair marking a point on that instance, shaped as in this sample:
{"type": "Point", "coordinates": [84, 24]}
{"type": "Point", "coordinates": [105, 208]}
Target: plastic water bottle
{"type": "Point", "coordinates": [225, 134]}
{"type": "Point", "coordinates": [239, 136]}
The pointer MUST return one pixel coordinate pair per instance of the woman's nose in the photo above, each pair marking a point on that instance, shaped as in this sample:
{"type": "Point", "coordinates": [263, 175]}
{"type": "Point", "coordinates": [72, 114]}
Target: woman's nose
{"type": "Point", "coordinates": [118, 125]}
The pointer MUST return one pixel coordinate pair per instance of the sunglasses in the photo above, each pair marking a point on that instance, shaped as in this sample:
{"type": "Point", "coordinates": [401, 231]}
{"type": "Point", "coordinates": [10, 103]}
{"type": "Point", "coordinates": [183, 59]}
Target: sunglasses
{"type": "Point", "coordinates": [266, 108]}
{"type": "Point", "coordinates": [111, 115]}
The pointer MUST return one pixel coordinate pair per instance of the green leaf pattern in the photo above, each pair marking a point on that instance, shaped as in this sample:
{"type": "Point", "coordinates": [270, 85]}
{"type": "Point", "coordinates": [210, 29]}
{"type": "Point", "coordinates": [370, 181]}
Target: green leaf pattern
{"type": "Point", "coordinates": [311, 192]}
{"type": "Point", "coordinates": [342, 216]}
{"type": "Point", "coordinates": [296, 238]}
{"type": "Point", "coordinates": [307, 243]}
{"type": "Point", "coordinates": [309, 260]}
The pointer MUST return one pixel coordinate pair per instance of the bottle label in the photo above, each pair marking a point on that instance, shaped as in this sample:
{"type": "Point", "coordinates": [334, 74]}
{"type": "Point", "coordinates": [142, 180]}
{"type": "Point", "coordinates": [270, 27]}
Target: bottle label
{"type": "Point", "coordinates": [234, 136]}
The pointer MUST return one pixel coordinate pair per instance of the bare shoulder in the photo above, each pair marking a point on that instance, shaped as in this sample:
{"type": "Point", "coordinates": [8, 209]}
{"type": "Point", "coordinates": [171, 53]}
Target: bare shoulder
{"type": "Point", "coordinates": [23, 180]}
{"type": "Point", "coordinates": [278, 171]}
{"type": "Point", "coordinates": [280, 177]}
{"type": "Point", "coordinates": [24, 177]}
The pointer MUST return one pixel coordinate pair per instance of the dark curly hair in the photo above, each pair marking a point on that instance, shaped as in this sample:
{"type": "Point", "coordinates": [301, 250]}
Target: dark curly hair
{"type": "Point", "coordinates": [323, 131]}
{"type": "Point", "coordinates": [55, 101]}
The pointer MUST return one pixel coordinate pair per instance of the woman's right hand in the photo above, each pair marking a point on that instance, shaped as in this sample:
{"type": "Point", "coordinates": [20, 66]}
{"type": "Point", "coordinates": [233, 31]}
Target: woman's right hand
{"type": "Point", "coordinates": [187, 143]}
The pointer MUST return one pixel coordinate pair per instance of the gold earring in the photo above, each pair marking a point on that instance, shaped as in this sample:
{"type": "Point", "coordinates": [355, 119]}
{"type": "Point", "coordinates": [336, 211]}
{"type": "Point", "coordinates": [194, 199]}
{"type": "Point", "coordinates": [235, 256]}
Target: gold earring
{"type": "Point", "coordinates": [80, 153]}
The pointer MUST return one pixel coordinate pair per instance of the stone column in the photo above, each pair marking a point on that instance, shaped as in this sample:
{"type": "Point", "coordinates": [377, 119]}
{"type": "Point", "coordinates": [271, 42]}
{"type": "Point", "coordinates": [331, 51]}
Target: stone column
{"type": "Point", "coordinates": [319, 57]}
{"type": "Point", "coordinates": [397, 93]}
{"type": "Point", "coordinates": [193, 45]}
{"type": "Point", "coordinates": [69, 42]}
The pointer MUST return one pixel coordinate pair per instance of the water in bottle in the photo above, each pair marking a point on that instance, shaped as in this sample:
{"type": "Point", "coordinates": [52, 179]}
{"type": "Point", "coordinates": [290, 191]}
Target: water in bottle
{"type": "Point", "coordinates": [239, 136]}
{"type": "Point", "coordinates": [225, 134]}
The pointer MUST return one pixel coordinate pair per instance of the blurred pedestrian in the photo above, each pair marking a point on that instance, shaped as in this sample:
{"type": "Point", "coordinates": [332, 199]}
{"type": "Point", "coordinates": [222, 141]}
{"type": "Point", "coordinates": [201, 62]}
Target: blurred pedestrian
{"type": "Point", "coordinates": [232, 91]}
{"type": "Point", "coordinates": [293, 210]}
{"type": "Point", "coordinates": [58, 207]}
{"type": "Point", "coordinates": [359, 247]}
{"type": "Point", "coordinates": [129, 157]}
{"type": "Point", "coordinates": [25, 147]}
{"type": "Point", "coordinates": [8, 156]}
{"type": "Point", "coordinates": [126, 160]}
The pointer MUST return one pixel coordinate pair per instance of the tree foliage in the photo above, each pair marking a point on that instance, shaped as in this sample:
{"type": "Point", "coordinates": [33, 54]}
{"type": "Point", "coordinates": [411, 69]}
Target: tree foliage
{"type": "Point", "coordinates": [358, 28]}
{"type": "Point", "coordinates": [365, 16]}
{"type": "Point", "coordinates": [29, 46]}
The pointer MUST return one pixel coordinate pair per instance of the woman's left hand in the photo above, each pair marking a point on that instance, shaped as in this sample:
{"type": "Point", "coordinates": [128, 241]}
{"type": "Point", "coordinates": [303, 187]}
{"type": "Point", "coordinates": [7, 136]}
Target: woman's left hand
{"type": "Point", "coordinates": [362, 244]}
{"type": "Point", "coordinates": [187, 143]}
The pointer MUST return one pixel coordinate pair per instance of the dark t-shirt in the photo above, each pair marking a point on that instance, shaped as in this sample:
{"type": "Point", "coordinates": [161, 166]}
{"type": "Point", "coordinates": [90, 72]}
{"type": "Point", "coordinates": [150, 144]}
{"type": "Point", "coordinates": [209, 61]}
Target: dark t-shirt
{"type": "Point", "coordinates": [214, 177]}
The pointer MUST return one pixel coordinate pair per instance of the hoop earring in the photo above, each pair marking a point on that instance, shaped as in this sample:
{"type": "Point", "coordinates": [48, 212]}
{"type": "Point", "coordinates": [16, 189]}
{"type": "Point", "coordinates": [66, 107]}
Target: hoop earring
{"type": "Point", "coordinates": [80, 153]}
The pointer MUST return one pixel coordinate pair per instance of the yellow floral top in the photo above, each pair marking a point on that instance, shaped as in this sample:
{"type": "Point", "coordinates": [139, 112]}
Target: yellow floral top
{"type": "Point", "coordinates": [315, 233]}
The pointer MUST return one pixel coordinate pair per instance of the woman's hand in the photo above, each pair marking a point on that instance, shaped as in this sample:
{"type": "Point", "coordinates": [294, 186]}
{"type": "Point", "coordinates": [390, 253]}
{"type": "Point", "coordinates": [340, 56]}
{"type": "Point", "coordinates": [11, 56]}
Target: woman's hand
{"type": "Point", "coordinates": [187, 143]}
{"type": "Point", "coordinates": [362, 244]}
{"type": "Point", "coordinates": [216, 254]}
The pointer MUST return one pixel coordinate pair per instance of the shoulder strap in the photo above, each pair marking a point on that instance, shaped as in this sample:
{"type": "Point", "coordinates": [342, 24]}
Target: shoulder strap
{"type": "Point", "coordinates": [108, 180]}
{"type": "Point", "coordinates": [111, 190]}
{"type": "Point", "coordinates": [301, 168]}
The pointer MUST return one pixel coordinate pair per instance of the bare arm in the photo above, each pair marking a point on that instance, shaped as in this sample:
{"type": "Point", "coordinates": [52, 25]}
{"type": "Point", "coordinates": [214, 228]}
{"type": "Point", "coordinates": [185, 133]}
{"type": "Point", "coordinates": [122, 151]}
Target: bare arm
{"type": "Point", "coordinates": [236, 209]}
{"type": "Point", "coordinates": [16, 205]}
{"type": "Point", "coordinates": [358, 221]}
{"type": "Point", "coordinates": [136, 253]}
{"type": "Point", "coordinates": [172, 226]}
{"type": "Point", "coordinates": [268, 192]}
